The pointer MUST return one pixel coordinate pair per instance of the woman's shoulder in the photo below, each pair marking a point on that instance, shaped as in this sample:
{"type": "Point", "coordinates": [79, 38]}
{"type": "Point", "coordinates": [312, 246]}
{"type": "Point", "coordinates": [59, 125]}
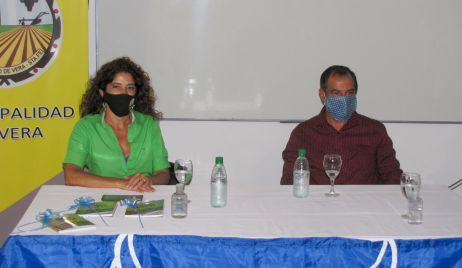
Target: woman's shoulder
{"type": "Point", "coordinates": [90, 119]}
{"type": "Point", "coordinates": [88, 122]}
{"type": "Point", "coordinates": [144, 118]}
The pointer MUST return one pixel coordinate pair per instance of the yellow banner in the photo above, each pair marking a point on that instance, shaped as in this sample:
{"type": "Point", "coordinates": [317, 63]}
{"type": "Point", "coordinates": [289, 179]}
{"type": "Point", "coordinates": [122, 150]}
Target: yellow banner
{"type": "Point", "coordinates": [43, 72]}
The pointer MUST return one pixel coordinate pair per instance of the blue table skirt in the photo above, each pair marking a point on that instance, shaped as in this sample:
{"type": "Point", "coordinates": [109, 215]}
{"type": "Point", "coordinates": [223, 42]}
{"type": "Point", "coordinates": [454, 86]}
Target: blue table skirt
{"type": "Point", "coordinates": [195, 251]}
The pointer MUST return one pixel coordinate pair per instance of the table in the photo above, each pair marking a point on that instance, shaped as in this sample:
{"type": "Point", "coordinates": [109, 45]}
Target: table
{"type": "Point", "coordinates": [262, 225]}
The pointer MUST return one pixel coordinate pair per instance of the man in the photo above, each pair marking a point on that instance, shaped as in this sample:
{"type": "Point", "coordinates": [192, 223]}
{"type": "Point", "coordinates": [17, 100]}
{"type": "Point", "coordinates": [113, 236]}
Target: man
{"type": "Point", "coordinates": [363, 143]}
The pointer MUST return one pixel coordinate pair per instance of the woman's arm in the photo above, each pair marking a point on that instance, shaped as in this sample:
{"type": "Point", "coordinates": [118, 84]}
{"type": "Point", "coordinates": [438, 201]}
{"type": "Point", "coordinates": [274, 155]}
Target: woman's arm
{"type": "Point", "coordinates": [140, 181]}
{"type": "Point", "coordinates": [161, 177]}
{"type": "Point", "coordinates": [76, 176]}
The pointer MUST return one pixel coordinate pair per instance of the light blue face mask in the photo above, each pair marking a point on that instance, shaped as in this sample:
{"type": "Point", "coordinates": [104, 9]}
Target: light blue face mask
{"type": "Point", "coordinates": [341, 107]}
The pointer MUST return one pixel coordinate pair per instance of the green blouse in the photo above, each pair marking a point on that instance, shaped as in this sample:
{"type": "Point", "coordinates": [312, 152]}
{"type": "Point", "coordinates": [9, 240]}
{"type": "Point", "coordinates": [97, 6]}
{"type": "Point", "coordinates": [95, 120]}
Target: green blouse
{"type": "Point", "coordinates": [93, 145]}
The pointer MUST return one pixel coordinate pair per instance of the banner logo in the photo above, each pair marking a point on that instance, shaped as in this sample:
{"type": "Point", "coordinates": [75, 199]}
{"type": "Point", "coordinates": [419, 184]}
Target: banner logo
{"type": "Point", "coordinates": [30, 38]}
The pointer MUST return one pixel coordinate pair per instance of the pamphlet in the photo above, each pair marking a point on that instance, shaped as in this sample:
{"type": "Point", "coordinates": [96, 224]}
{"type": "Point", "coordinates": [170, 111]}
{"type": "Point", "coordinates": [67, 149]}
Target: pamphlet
{"type": "Point", "coordinates": [153, 208]}
{"type": "Point", "coordinates": [103, 208]}
{"type": "Point", "coordinates": [118, 197]}
{"type": "Point", "coordinates": [70, 223]}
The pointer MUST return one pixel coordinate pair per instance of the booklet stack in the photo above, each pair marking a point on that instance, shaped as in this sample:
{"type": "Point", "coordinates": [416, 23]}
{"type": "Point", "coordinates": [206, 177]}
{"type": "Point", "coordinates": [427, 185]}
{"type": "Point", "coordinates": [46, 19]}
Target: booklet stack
{"type": "Point", "coordinates": [153, 208]}
{"type": "Point", "coordinates": [103, 208]}
{"type": "Point", "coordinates": [70, 223]}
{"type": "Point", "coordinates": [118, 197]}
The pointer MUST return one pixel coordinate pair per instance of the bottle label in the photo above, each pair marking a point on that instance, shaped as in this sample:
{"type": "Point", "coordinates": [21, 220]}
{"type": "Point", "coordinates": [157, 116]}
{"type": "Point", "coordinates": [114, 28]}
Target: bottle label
{"type": "Point", "coordinates": [301, 183]}
{"type": "Point", "coordinates": [218, 195]}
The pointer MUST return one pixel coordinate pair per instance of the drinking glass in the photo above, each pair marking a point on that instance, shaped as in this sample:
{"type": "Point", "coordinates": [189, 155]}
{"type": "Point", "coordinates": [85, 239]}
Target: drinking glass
{"type": "Point", "coordinates": [410, 187]}
{"type": "Point", "coordinates": [402, 183]}
{"type": "Point", "coordinates": [332, 165]}
{"type": "Point", "coordinates": [183, 171]}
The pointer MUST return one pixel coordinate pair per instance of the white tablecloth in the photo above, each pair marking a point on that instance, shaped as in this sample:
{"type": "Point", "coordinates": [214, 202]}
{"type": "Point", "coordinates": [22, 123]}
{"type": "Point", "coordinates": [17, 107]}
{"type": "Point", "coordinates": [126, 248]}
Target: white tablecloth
{"type": "Point", "coordinates": [270, 211]}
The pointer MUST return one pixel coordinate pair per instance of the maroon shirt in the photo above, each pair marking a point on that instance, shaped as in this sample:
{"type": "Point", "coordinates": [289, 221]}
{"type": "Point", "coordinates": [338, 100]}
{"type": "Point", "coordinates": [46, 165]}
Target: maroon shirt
{"type": "Point", "coordinates": [363, 143]}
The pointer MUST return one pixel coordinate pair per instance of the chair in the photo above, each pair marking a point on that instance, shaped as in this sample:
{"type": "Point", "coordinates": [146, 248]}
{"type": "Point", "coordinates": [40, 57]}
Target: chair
{"type": "Point", "coordinates": [455, 185]}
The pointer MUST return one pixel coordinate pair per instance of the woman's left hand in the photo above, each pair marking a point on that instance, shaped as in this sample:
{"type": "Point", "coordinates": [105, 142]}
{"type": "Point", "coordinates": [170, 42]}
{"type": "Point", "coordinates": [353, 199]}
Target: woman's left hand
{"type": "Point", "coordinates": [139, 182]}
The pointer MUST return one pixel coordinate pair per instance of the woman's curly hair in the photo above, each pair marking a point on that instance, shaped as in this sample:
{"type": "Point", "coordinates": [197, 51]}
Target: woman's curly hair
{"type": "Point", "coordinates": [145, 99]}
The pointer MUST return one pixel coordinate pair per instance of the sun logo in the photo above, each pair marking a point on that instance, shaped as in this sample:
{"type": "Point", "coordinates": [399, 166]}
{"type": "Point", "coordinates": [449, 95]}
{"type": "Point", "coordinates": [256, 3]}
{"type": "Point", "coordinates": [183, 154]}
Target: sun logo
{"type": "Point", "coordinates": [30, 38]}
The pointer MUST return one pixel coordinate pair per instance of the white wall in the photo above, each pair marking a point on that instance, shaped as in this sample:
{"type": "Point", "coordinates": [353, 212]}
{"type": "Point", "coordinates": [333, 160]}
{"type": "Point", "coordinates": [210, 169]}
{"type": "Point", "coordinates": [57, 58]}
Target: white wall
{"type": "Point", "coordinates": [430, 149]}
{"type": "Point", "coordinates": [252, 150]}
{"type": "Point", "coordinates": [242, 59]}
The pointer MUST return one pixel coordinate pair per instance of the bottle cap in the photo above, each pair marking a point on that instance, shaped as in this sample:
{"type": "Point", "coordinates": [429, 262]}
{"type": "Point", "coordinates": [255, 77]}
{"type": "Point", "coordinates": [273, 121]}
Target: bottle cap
{"type": "Point", "coordinates": [301, 152]}
{"type": "Point", "coordinates": [219, 160]}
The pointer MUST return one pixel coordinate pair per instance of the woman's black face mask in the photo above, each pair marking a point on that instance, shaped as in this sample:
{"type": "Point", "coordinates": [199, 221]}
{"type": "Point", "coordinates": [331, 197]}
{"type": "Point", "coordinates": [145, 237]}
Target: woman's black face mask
{"type": "Point", "coordinates": [119, 104]}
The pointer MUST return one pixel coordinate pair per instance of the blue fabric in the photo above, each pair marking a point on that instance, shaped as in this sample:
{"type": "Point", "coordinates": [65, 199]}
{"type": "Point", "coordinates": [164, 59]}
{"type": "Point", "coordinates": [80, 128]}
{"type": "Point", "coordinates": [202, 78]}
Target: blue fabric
{"type": "Point", "coordinates": [194, 251]}
{"type": "Point", "coordinates": [430, 252]}
{"type": "Point", "coordinates": [57, 251]}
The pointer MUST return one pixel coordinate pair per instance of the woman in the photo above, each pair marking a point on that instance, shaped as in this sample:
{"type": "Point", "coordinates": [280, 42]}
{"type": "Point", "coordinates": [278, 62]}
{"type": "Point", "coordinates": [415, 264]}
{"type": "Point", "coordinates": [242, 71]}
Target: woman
{"type": "Point", "coordinates": [117, 143]}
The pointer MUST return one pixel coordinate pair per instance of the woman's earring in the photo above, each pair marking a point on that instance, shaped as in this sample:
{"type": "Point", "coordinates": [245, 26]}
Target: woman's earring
{"type": "Point", "coordinates": [132, 105]}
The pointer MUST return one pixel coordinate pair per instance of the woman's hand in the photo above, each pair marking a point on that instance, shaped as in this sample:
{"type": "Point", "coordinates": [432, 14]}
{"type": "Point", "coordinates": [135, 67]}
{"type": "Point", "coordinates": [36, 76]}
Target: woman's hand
{"type": "Point", "coordinates": [138, 182]}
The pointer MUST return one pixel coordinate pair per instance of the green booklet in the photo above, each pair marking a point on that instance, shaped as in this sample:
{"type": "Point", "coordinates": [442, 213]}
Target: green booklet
{"type": "Point", "coordinates": [103, 208]}
{"type": "Point", "coordinates": [118, 197]}
{"type": "Point", "coordinates": [70, 223]}
{"type": "Point", "coordinates": [153, 208]}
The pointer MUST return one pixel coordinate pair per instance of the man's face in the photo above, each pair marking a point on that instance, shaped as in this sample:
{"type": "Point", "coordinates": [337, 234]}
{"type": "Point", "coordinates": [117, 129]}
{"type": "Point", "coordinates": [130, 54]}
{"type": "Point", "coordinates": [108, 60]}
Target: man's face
{"type": "Point", "coordinates": [337, 85]}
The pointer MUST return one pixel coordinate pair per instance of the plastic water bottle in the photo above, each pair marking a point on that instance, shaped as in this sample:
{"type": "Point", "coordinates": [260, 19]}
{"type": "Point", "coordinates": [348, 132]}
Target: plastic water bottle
{"type": "Point", "coordinates": [301, 187]}
{"type": "Point", "coordinates": [179, 202]}
{"type": "Point", "coordinates": [218, 184]}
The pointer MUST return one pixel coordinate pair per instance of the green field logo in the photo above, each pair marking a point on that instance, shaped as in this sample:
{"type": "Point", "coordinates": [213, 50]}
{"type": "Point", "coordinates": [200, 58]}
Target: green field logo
{"type": "Point", "coordinates": [30, 38]}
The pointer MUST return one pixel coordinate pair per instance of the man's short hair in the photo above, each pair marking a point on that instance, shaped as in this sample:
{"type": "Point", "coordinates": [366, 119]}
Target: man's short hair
{"type": "Point", "coordinates": [337, 70]}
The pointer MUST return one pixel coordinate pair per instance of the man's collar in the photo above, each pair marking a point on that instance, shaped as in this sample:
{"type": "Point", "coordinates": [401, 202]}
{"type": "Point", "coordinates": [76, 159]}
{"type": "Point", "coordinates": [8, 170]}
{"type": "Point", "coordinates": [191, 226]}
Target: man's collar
{"type": "Point", "coordinates": [355, 120]}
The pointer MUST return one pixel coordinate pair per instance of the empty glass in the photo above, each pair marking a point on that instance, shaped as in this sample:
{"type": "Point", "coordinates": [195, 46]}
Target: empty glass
{"type": "Point", "coordinates": [402, 183]}
{"type": "Point", "coordinates": [410, 187]}
{"type": "Point", "coordinates": [332, 165]}
{"type": "Point", "coordinates": [415, 208]}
